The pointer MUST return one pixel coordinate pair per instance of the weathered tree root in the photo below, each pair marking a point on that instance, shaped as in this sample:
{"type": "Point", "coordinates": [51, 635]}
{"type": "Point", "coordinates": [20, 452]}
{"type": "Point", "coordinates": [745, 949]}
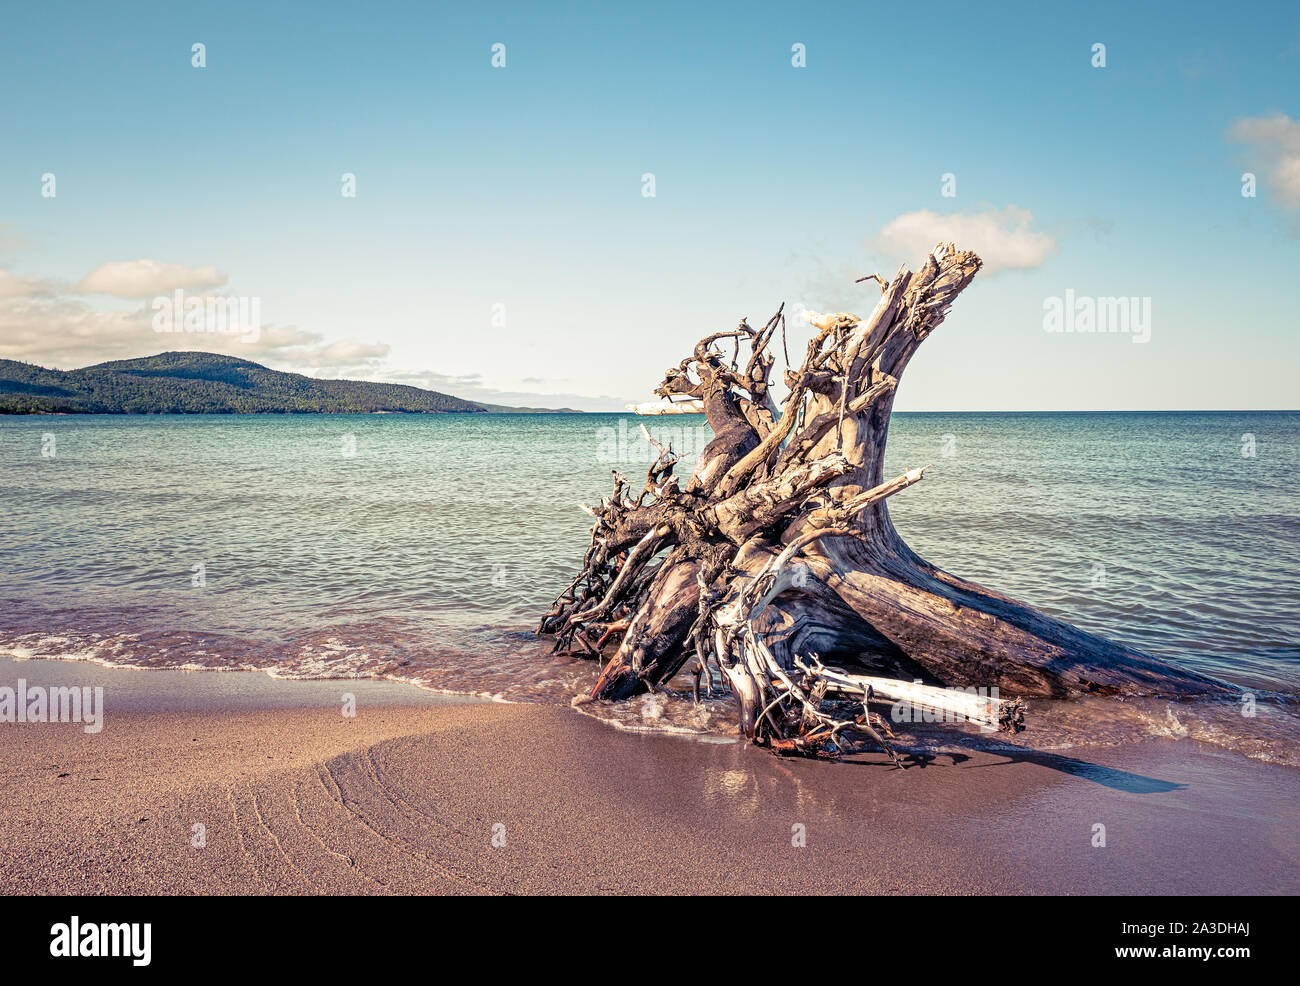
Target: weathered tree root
{"type": "Point", "coordinates": [777, 561]}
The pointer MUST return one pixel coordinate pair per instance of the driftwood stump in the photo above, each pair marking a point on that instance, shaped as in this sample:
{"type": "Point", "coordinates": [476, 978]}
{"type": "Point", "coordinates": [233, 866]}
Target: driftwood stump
{"type": "Point", "coordinates": [777, 561]}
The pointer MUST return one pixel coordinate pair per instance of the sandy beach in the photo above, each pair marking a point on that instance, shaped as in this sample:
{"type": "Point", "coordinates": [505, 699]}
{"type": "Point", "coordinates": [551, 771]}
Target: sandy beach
{"type": "Point", "coordinates": [407, 796]}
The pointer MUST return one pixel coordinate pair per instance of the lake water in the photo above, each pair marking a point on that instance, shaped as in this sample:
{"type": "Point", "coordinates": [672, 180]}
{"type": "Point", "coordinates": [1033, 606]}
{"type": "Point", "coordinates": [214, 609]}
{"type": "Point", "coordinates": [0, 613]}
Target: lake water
{"type": "Point", "coordinates": [425, 547]}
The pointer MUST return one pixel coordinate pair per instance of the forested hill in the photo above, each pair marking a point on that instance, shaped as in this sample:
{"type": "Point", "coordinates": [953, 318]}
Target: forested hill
{"type": "Point", "coordinates": [204, 383]}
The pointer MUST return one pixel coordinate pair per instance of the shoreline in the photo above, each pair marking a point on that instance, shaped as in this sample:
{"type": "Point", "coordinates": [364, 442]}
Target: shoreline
{"type": "Point", "coordinates": [409, 795]}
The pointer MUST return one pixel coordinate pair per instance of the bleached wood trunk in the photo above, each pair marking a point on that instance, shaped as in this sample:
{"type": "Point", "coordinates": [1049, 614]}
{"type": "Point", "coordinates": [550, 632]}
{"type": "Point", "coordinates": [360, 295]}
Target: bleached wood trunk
{"type": "Point", "coordinates": [782, 565]}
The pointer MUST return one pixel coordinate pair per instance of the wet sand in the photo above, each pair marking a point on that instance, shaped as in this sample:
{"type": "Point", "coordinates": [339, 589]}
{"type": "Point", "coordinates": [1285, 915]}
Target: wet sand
{"type": "Point", "coordinates": [409, 795]}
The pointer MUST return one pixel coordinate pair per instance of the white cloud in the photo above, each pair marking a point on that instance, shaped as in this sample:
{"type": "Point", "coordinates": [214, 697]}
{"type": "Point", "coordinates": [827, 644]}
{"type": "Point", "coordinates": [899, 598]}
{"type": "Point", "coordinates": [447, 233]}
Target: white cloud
{"type": "Point", "coordinates": [147, 279]}
{"type": "Point", "coordinates": [1003, 238]}
{"type": "Point", "coordinates": [1274, 143]}
{"type": "Point", "coordinates": [51, 323]}
{"type": "Point", "coordinates": [66, 332]}
{"type": "Point", "coordinates": [44, 321]}
{"type": "Point", "coordinates": [13, 286]}
{"type": "Point", "coordinates": [351, 351]}
{"type": "Point", "coordinates": [473, 388]}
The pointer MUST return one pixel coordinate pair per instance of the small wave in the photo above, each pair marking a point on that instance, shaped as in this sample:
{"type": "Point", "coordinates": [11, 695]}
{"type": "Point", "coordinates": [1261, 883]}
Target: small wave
{"type": "Point", "coordinates": [513, 667]}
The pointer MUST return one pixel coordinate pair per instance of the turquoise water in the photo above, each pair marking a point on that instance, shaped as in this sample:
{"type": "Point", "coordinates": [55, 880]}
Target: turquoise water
{"type": "Point", "coordinates": [425, 547]}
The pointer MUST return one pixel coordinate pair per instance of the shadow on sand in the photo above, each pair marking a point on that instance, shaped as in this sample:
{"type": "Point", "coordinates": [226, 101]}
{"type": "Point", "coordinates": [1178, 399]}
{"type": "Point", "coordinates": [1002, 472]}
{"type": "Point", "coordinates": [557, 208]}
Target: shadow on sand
{"type": "Point", "coordinates": [1111, 777]}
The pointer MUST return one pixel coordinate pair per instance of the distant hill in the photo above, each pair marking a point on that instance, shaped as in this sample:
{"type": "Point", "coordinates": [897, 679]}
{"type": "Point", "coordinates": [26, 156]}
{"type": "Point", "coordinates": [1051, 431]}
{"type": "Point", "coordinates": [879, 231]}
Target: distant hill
{"type": "Point", "coordinates": [205, 383]}
{"type": "Point", "coordinates": [504, 409]}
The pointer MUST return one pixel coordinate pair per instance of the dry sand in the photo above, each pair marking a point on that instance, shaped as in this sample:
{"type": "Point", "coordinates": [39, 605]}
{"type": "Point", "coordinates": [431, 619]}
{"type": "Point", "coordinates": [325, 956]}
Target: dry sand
{"type": "Point", "coordinates": [296, 798]}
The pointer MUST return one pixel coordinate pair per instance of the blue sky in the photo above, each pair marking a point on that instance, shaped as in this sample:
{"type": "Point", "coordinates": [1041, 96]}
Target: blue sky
{"type": "Point", "coordinates": [522, 187]}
